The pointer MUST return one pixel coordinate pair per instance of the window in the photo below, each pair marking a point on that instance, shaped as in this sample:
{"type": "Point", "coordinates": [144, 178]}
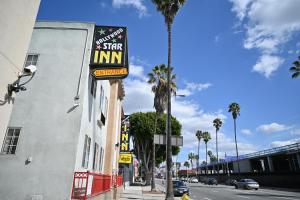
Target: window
{"type": "Point", "coordinates": [86, 151]}
{"type": "Point", "coordinates": [31, 60]}
{"type": "Point", "coordinates": [106, 105]}
{"type": "Point", "coordinates": [10, 141]}
{"type": "Point", "coordinates": [93, 87]}
{"type": "Point", "coordinates": [101, 98]}
{"type": "Point", "coordinates": [96, 156]}
{"type": "Point", "coordinates": [101, 159]}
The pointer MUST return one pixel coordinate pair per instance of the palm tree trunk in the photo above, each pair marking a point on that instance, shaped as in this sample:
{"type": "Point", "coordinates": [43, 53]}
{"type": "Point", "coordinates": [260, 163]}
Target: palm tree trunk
{"type": "Point", "coordinates": [153, 157]}
{"type": "Point", "coordinates": [217, 152]}
{"type": "Point", "coordinates": [206, 159]}
{"type": "Point", "coordinates": [169, 192]}
{"type": "Point", "coordinates": [198, 157]}
{"type": "Point", "coordinates": [236, 148]}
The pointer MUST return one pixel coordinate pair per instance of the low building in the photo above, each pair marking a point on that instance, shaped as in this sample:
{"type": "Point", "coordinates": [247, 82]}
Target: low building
{"type": "Point", "coordinates": [65, 122]}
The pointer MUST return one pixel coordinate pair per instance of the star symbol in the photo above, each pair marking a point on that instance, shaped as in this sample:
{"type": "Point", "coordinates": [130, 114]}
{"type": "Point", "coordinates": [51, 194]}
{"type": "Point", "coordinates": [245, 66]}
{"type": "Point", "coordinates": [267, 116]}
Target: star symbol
{"type": "Point", "coordinates": [98, 47]}
{"type": "Point", "coordinates": [120, 37]}
{"type": "Point", "coordinates": [102, 32]}
{"type": "Point", "coordinates": [114, 40]}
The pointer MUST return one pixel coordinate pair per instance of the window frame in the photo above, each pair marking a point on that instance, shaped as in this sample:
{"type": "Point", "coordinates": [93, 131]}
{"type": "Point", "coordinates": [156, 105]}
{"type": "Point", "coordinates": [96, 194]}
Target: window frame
{"type": "Point", "coordinates": [32, 61]}
{"type": "Point", "coordinates": [13, 136]}
{"type": "Point", "coordinates": [86, 152]}
{"type": "Point", "coordinates": [93, 89]}
{"type": "Point", "coordinates": [96, 156]}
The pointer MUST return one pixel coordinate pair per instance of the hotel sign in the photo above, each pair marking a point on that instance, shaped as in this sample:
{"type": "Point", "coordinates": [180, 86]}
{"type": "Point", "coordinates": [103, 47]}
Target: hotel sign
{"type": "Point", "coordinates": [109, 56]}
{"type": "Point", "coordinates": [125, 154]}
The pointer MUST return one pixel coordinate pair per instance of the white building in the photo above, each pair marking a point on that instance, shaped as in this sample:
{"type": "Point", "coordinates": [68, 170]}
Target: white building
{"type": "Point", "coordinates": [64, 122]}
{"type": "Point", "coordinates": [17, 19]}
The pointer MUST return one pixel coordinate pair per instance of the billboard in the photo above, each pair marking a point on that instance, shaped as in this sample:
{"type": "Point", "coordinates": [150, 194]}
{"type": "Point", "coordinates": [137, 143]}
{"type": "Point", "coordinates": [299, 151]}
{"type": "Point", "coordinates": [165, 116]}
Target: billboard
{"type": "Point", "coordinates": [109, 55]}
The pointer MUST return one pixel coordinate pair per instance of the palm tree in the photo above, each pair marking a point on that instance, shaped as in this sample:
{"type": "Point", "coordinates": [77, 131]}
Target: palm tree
{"type": "Point", "coordinates": [234, 108]}
{"type": "Point", "coordinates": [199, 136]}
{"type": "Point", "coordinates": [187, 165]}
{"type": "Point", "coordinates": [217, 124]}
{"type": "Point", "coordinates": [191, 157]}
{"type": "Point", "coordinates": [296, 68]}
{"type": "Point", "coordinates": [158, 80]}
{"type": "Point", "coordinates": [206, 138]}
{"type": "Point", "coordinates": [169, 9]}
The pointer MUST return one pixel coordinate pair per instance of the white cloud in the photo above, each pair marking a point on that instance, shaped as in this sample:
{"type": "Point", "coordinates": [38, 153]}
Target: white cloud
{"type": "Point", "coordinates": [269, 24]}
{"type": "Point", "coordinates": [137, 71]}
{"type": "Point", "coordinates": [137, 4]}
{"type": "Point", "coordinates": [246, 132]}
{"type": "Point", "coordinates": [295, 132]}
{"type": "Point", "coordinates": [283, 143]}
{"type": "Point", "coordinates": [290, 51]}
{"type": "Point", "coordinates": [191, 88]}
{"type": "Point", "coordinates": [273, 127]}
{"type": "Point", "coordinates": [267, 64]}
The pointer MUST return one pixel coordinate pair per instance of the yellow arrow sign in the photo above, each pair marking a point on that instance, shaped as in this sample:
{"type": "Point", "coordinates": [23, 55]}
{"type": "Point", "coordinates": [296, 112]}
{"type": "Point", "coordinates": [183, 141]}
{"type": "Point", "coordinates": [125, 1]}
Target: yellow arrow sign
{"type": "Point", "coordinates": [125, 158]}
{"type": "Point", "coordinates": [98, 73]}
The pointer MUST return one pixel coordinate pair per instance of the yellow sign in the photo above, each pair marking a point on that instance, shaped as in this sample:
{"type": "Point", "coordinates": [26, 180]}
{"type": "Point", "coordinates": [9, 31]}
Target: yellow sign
{"type": "Point", "coordinates": [125, 158]}
{"type": "Point", "coordinates": [110, 72]}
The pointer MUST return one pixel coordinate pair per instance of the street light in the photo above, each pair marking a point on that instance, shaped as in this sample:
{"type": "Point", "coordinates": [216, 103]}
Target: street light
{"type": "Point", "coordinates": [16, 86]}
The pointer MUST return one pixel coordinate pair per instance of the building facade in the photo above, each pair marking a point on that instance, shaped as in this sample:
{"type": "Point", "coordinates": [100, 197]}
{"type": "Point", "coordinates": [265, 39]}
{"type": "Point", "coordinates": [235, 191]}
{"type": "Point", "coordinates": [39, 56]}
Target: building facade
{"type": "Point", "coordinates": [65, 121]}
{"type": "Point", "coordinates": [16, 21]}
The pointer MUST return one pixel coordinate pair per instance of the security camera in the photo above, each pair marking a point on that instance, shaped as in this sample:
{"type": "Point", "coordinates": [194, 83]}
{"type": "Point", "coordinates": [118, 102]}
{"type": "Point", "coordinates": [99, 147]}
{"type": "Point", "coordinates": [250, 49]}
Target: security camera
{"type": "Point", "coordinates": [30, 69]}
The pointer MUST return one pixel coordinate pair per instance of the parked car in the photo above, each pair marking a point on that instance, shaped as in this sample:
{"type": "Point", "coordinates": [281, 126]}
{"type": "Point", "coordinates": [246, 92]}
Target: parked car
{"type": "Point", "coordinates": [247, 184]}
{"type": "Point", "coordinates": [211, 181]}
{"type": "Point", "coordinates": [180, 188]}
{"type": "Point", "coordinates": [231, 182]}
{"type": "Point", "coordinates": [194, 180]}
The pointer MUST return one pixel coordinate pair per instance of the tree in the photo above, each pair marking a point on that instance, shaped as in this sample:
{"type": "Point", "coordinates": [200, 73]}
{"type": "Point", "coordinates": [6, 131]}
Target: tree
{"type": "Point", "coordinates": [212, 157]}
{"type": "Point", "coordinates": [199, 136]}
{"type": "Point", "coordinates": [187, 165]}
{"type": "Point", "coordinates": [296, 68]}
{"type": "Point", "coordinates": [142, 129]}
{"type": "Point", "coordinates": [191, 157]}
{"type": "Point", "coordinates": [206, 138]}
{"type": "Point", "coordinates": [234, 108]}
{"type": "Point", "coordinates": [157, 78]}
{"type": "Point", "coordinates": [217, 124]}
{"type": "Point", "coordinates": [169, 9]}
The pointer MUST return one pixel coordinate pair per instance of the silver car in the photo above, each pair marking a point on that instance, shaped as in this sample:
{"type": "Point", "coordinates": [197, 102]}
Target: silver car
{"type": "Point", "coordinates": [247, 184]}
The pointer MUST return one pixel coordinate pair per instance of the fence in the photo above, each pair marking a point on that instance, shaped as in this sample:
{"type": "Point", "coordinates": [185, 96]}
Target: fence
{"type": "Point", "coordinates": [89, 184]}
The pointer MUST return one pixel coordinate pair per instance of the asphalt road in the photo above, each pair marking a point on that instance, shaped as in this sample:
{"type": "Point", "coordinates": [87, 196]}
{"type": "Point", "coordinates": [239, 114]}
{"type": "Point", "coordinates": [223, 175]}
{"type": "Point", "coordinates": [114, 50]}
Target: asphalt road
{"type": "Point", "coordinates": [199, 191]}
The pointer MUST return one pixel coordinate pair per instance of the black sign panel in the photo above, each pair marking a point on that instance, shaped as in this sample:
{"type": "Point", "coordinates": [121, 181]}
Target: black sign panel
{"type": "Point", "coordinates": [124, 138]}
{"type": "Point", "coordinates": [109, 56]}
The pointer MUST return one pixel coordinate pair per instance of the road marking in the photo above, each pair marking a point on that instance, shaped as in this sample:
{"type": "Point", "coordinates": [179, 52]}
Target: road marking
{"type": "Point", "coordinates": [243, 197]}
{"type": "Point", "coordinates": [286, 198]}
{"type": "Point", "coordinates": [206, 198]}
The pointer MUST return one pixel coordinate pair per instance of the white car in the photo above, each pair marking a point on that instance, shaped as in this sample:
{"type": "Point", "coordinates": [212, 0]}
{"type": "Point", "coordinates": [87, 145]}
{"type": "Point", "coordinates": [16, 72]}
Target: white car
{"type": "Point", "coordinates": [194, 180]}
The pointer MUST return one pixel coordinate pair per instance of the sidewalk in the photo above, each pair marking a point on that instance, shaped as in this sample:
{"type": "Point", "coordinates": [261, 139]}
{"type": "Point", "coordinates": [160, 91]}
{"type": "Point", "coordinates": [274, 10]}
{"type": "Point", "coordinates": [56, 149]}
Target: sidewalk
{"type": "Point", "coordinates": [142, 192]}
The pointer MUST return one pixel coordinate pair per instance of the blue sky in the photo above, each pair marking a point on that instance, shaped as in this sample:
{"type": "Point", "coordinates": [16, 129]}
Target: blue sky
{"type": "Point", "coordinates": [223, 51]}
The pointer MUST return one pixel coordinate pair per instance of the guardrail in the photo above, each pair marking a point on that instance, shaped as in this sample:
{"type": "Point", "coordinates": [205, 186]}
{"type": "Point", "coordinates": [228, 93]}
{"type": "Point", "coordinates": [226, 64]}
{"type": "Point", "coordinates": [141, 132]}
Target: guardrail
{"type": "Point", "coordinates": [89, 184]}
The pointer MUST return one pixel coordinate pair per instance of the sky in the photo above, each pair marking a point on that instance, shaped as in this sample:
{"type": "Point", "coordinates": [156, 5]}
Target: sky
{"type": "Point", "coordinates": [223, 51]}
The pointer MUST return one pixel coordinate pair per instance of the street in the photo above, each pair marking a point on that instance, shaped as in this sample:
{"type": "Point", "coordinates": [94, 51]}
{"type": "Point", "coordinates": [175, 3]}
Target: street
{"type": "Point", "coordinates": [199, 191]}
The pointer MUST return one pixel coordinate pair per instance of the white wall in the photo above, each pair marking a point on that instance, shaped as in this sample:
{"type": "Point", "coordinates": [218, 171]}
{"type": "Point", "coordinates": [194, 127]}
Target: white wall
{"type": "Point", "coordinates": [17, 18]}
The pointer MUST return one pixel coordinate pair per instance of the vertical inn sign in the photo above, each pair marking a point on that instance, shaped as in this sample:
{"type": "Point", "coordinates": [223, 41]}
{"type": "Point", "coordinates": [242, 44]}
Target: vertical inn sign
{"type": "Point", "coordinates": [109, 56]}
{"type": "Point", "coordinates": [125, 154]}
